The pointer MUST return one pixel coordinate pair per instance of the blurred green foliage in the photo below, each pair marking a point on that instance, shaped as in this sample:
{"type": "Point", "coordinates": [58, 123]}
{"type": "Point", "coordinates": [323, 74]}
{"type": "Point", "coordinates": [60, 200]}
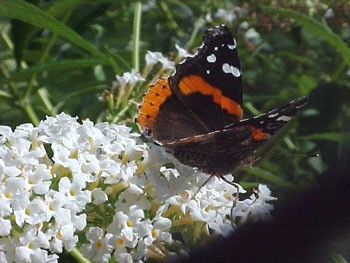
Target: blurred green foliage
{"type": "Point", "coordinates": [63, 56]}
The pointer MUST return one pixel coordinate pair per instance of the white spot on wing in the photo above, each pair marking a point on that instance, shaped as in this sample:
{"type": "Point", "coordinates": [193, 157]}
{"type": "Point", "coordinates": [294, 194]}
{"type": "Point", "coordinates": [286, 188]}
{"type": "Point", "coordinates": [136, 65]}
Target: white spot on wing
{"type": "Point", "coordinates": [273, 115]}
{"type": "Point", "coordinates": [216, 48]}
{"type": "Point", "coordinates": [227, 68]}
{"type": "Point", "coordinates": [211, 58]}
{"type": "Point", "coordinates": [231, 46]}
{"type": "Point", "coordinates": [208, 71]}
{"type": "Point", "coordinates": [284, 118]}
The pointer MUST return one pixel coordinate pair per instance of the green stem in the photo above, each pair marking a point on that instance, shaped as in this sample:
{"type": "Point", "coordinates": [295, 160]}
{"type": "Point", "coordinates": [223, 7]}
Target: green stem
{"type": "Point", "coordinates": [27, 108]}
{"type": "Point", "coordinates": [6, 95]}
{"type": "Point", "coordinates": [251, 108]}
{"type": "Point", "coordinates": [136, 37]}
{"type": "Point", "coordinates": [6, 40]}
{"type": "Point", "coordinates": [44, 55]}
{"type": "Point", "coordinates": [29, 111]}
{"type": "Point", "coordinates": [289, 143]}
{"type": "Point", "coordinates": [339, 71]}
{"type": "Point", "coordinates": [171, 21]}
{"type": "Point", "coordinates": [12, 87]}
{"type": "Point", "coordinates": [198, 24]}
{"type": "Point", "coordinates": [32, 78]}
{"type": "Point", "coordinates": [24, 106]}
{"type": "Point", "coordinates": [43, 95]}
{"type": "Point", "coordinates": [75, 253]}
{"type": "Point", "coordinates": [121, 113]}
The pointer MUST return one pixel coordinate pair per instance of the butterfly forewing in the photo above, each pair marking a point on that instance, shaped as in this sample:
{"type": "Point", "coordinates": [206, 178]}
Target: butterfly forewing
{"type": "Point", "coordinates": [210, 83]}
{"type": "Point", "coordinates": [161, 109]}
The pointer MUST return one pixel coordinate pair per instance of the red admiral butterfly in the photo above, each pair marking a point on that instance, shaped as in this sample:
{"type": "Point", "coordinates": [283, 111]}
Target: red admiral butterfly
{"type": "Point", "coordinates": [196, 113]}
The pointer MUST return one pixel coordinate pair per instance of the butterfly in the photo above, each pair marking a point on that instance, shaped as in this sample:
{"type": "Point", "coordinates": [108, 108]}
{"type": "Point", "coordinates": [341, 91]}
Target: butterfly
{"type": "Point", "coordinates": [196, 113]}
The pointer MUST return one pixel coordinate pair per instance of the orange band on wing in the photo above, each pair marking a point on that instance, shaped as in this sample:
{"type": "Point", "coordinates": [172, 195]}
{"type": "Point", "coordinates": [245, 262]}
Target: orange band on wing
{"type": "Point", "coordinates": [259, 135]}
{"type": "Point", "coordinates": [192, 84]}
{"type": "Point", "coordinates": [152, 100]}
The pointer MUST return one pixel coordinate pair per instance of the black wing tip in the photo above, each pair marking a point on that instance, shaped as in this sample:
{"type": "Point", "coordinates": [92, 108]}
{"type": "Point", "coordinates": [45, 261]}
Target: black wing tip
{"type": "Point", "coordinates": [285, 112]}
{"type": "Point", "coordinates": [302, 99]}
{"type": "Point", "coordinates": [299, 102]}
{"type": "Point", "coordinates": [220, 31]}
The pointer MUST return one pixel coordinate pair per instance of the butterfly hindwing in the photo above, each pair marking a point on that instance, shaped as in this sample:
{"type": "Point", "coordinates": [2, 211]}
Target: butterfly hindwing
{"type": "Point", "coordinates": [222, 151]}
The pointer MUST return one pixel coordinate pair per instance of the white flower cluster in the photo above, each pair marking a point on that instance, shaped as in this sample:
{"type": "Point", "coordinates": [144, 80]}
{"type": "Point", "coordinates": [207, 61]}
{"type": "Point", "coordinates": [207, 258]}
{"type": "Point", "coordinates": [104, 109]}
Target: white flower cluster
{"type": "Point", "coordinates": [99, 189]}
{"type": "Point", "coordinates": [157, 57]}
{"type": "Point", "coordinates": [128, 78]}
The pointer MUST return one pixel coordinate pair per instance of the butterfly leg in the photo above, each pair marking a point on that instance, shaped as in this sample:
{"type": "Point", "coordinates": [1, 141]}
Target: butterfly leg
{"type": "Point", "coordinates": [236, 198]}
{"type": "Point", "coordinates": [203, 184]}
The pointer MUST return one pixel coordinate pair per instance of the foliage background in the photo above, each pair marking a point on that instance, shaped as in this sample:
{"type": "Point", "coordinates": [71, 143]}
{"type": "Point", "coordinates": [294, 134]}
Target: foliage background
{"type": "Point", "coordinates": [63, 56]}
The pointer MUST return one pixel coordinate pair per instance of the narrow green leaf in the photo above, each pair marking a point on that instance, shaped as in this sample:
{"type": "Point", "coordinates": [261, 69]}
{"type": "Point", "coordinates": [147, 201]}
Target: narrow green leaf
{"type": "Point", "coordinates": [270, 177]}
{"type": "Point", "coordinates": [57, 65]}
{"type": "Point", "coordinates": [294, 57]}
{"type": "Point", "coordinates": [248, 185]}
{"type": "Point", "coordinates": [44, 96]}
{"type": "Point", "coordinates": [330, 136]}
{"type": "Point", "coordinates": [6, 95]}
{"type": "Point", "coordinates": [58, 8]}
{"type": "Point", "coordinates": [336, 258]}
{"type": "Point", "coordinates": [28, 13]}
{"type": "Point", "coordinates": [322, 30]}
{"type": "Point", "coordinates": [19, 33]}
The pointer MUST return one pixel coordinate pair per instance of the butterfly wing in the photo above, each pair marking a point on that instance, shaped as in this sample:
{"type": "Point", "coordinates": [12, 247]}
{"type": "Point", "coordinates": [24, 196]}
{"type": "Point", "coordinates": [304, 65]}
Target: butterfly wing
{"type": "Point", "coordinates": [204, 99]}
{"type": "Point", "coordinates": [160, 108]}
{"type": "Point", "coordinates": [203, 95]}
{"type": "Point", "coordinates": [209, 83]}
{"type": "Point", "coordinates": [222, 151]}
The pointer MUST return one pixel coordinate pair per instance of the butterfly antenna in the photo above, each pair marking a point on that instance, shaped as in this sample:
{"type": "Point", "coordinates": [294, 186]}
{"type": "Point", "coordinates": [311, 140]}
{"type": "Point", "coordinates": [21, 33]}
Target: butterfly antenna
{"type": "Point", "coordinates": [298, 155]}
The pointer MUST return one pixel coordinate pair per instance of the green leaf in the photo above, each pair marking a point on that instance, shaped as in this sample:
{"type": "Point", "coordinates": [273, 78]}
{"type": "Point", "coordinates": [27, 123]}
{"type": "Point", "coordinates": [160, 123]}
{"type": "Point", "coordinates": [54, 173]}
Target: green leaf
{"type": "Point", "coordinates": [248, 185]}
{"type": "Point", "coordinates": [294, 57]}
{"type": "Point", "coordinates": [19, 33]}
{"type": "Point", "coordinates": [4, 94]}
{"type": "Point", "coordinates": [336, 258]}
{"type": "Point", "coordinates": [28, 13]}
{"type": "Point", "coordinates": [57, 65]}
{"type": "Point", "coordinates": [330, 136]}
{"type": "Point", "coordinates": [59, 8]}
{"type": "Point", "coordinates": [317, 28]}
{"type": "Point", "coordinates": [270, 177]}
